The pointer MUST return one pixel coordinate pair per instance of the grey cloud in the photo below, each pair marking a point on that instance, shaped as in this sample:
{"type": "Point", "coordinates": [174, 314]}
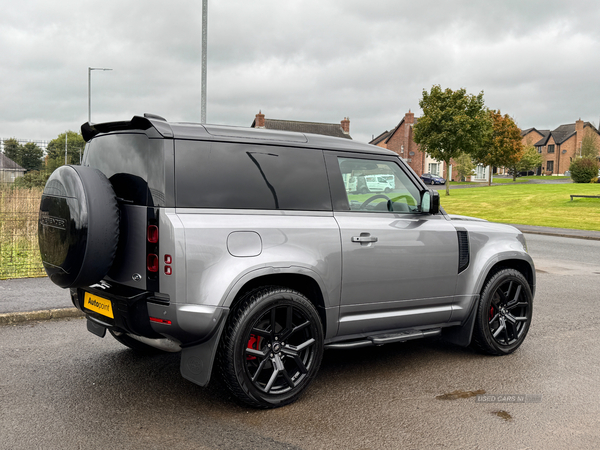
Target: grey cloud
{"type": "Point", "coordinates": [304, 60]}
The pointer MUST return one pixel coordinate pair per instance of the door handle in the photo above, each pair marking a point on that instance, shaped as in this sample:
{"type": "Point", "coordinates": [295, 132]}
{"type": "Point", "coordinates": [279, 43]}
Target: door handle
{"type": "Point", "coordinates": [364, 238]}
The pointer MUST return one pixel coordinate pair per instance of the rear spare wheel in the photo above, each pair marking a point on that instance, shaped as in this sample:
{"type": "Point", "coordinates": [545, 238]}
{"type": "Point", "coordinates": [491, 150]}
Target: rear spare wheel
{"type": "Point", "coordinates": [78, 226]}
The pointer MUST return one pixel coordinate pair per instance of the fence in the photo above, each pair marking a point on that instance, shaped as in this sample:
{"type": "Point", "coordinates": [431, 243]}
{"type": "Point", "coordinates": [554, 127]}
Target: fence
{"type": "Point", "coordinates": [19, 251]}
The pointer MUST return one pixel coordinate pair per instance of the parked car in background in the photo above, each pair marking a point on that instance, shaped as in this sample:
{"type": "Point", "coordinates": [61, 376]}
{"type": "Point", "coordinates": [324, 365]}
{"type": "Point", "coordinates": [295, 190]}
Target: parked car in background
{"type": "Point", "coordinates": [365, 184]}
{"type": "Point", "coordinates": [432, 179]}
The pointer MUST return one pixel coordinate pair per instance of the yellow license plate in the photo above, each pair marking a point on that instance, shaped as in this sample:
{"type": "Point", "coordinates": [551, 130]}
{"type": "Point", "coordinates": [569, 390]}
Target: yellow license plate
{"type": "Point", "coordinates": [98, 304]}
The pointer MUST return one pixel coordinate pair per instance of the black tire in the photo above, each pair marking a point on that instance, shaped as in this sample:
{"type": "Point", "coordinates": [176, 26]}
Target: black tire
{"type": "Point", "coordinates": [272, 347]}
{"type": "Point", "coordinates": [135, 345]}
{"type": "Point", "coordinates": [504, 313]}
{"type": "Point", "coordinates": [78, 228]}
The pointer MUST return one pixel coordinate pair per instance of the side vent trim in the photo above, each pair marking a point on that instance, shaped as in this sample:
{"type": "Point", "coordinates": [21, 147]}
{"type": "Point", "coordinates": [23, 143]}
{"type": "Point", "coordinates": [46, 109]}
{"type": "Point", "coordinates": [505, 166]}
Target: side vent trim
{"type": "Point", "coordinates": [463, 250]}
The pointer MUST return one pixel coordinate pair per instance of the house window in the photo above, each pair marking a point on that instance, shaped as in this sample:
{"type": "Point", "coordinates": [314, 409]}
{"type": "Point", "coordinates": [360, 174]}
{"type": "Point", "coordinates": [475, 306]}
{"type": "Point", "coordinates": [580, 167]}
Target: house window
{"type": "Point", "coordinates": [434, 169]}
{"type": "Point", "coordinates": [551, 148]}
{"type": "Point", "coordinates": [539, 149]}
{"type": "Point", "coordinates": [550, 165]}
{"type": "Point", "coordinates": [480, 172]}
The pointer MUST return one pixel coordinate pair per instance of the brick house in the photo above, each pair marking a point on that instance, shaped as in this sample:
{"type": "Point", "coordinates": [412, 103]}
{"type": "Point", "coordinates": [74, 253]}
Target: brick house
{"type": "Point", "coordinates": [400, 140]}
{"type": "Point", "coordinates": [559, 146]}
{"type": "Point", "coordinates": [341, 129]}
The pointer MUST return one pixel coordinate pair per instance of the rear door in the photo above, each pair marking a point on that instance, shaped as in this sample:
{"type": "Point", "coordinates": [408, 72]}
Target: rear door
{"type": "Point", "coordinates": [399, 266]}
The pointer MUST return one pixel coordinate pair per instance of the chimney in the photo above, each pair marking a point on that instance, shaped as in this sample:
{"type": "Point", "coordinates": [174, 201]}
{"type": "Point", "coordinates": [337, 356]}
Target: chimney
{"type": "Point", "coordinates": [409, 118]}
{"type": "Point", "coordinates": [346, 125]}
{"type": "Point", "coordinates": [579, 131]}
{"type": "Point", "coordinates": [259, 121]}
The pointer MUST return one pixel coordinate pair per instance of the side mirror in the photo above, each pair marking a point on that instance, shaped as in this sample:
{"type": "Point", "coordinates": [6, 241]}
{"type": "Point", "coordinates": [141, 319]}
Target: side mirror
{"type": "Point", "coordinates": [430, 201]}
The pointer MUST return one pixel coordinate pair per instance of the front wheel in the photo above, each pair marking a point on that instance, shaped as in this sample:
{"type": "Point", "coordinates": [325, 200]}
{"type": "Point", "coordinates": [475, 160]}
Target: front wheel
{"type": "Point", "coordinates": [504, 313]}
{"type": "Point", "coordinates": [272, 347]}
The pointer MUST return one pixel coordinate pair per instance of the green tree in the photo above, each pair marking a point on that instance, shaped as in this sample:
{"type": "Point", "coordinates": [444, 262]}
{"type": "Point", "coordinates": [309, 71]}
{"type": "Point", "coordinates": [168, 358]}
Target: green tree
{"type": "Point", "coordinates": [56, 149]}
{"type": "Point", "coordinates": [453, 122]}
{"type": "Point", "coordinates": [589, 144]}
{"type": "Point", "coordinates": [464, 166]}
{"type": "Point", "coordinates": [12, 150]}
{"type": "Point", "coordinates": [28, 156]}
{"type": "Point", "coordinates": [31, 156]}
{"type": "Point", "coordinates": [503, 147]}
{"type": "Point", "coordinates": [530, 160]}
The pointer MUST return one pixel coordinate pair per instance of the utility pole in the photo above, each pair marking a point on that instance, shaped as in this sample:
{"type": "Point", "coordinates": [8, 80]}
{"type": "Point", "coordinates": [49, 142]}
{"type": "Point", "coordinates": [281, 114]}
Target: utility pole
{"type": "Point", "coordinates": [90, 90]}
{"type": "Point", "coordinates": [204, 45]}
{"type": "Point", "coordinates": [66, 138]}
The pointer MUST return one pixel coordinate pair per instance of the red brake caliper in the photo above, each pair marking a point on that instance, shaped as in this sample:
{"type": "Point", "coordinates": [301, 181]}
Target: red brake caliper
{"type": "Point", "coordinates": [491, 312]}
{"type": "Point", "coordinates": [254, 344]}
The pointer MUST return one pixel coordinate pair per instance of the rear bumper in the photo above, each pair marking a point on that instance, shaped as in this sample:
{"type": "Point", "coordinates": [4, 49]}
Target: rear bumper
{"type": "Point", "coordinates": [146, 314]}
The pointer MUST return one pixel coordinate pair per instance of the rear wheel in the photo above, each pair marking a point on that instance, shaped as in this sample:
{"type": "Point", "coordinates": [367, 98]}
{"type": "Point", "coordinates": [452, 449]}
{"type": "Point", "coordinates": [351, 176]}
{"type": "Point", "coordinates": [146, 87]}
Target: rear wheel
{"type": "Point", "coordinates": [504, 313]}
{"type": "Point", "coordinates": [272, 347]}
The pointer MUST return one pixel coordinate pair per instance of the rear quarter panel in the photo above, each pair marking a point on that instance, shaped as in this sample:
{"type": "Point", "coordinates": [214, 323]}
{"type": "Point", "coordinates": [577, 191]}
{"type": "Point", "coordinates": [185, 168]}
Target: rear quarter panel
{"type": "Point", "coordinates": [290, 242]}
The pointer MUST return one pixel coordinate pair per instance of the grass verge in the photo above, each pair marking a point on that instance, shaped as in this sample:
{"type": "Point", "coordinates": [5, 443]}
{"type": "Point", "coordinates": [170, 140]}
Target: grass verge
{"type": "Point", "coordinates": [546, 205]}
{"type": "Point", "coordinates": [19, 250]}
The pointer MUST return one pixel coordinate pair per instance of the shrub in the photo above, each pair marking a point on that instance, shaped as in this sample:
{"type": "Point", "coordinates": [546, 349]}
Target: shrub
{"type": "Point", "coordinates": [584, 169]}
{"type": "Point", "coordinates": [32, 179]}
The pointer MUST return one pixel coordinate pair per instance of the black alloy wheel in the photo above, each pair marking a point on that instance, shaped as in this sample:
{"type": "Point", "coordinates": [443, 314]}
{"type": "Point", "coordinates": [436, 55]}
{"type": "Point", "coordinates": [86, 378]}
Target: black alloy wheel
{"type": "Point", "coordinates": [504, 313]}
{"type": "Point", "coordinates": [272, 347]}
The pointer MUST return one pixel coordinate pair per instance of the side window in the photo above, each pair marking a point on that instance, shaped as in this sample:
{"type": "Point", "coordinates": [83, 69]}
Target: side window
{"type": "Point", "coordinates": [134, 164]}
{"type": "Point", "coordinates": [378, 186]}
{"type": "Point", "coordinates": [245, 176]}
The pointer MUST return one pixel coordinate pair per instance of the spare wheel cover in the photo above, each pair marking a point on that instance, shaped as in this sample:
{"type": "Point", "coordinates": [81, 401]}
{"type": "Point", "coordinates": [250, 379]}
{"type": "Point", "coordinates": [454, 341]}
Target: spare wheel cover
{"type": "Point", "coordinates": [78, 226]}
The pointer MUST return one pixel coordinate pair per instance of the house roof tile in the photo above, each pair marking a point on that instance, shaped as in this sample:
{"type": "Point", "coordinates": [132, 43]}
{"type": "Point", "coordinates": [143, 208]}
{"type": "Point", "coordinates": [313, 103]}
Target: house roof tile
{"type": "Point", "coordinates": [8, 164]}
{"type": "Point", "coordinates": [327, 129]}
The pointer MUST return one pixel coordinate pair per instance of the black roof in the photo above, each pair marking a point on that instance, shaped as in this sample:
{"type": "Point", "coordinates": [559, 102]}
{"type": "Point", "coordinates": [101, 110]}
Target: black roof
{"type": "Point", "coordinates": [529, 130]}
{"type": "Point", "coordinates": [559, 134]}
{"type": "Point", "coordinates": [157, 128]}
{"type": "Point", "coordinates": [381, 137]}
{"type": "Point", "coordinates": [387, 135]}
{"type": "Point", "coordinates": [8, 164]}
{"type": "Point", "coordinates": [326, 129]}
{"type": "Point", "coordinates": [545, 137]}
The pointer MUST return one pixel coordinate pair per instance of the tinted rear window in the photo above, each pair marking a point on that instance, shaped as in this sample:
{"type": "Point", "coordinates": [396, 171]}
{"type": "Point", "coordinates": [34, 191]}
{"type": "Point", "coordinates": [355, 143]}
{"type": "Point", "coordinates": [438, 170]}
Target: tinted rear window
{"type": "Point", "coordinates": [134, 165]}
{"type": "Point", "coordinates": [245, 176]}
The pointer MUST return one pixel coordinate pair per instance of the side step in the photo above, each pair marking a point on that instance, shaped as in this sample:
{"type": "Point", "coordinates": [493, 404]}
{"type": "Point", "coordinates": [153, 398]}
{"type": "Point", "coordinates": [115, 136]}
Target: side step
{"type": "Point", "coordinates": [388, 338]}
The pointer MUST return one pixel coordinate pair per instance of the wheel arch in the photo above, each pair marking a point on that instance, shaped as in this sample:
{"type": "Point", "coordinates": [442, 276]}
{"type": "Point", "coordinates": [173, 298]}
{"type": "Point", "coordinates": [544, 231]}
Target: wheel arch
{"type": "Point", "coordinates": [302, 283]}
{"type": "Point", "coordinates": [462, 335]}
{"type": "Point", "coordinates": [520, 265]}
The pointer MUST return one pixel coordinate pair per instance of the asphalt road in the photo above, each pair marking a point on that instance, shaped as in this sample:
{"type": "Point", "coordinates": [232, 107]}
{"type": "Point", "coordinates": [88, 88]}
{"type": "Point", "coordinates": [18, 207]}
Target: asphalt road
{"type": "Point", "coordinates": [32, 294]}
{"type": "Point", "coordinates": [62, 387]}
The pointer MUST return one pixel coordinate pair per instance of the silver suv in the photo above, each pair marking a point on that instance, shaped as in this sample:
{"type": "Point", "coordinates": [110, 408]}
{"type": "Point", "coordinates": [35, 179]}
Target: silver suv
{"type": "Point", "coordinates": [251, 251]}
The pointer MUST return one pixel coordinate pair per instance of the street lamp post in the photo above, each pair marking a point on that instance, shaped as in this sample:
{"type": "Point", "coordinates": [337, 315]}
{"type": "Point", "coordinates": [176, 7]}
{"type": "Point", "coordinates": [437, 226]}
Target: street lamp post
{"type": "Point", "coordinates": [204, 60]}
{"type": "Point", "coordinates": [90, 90]}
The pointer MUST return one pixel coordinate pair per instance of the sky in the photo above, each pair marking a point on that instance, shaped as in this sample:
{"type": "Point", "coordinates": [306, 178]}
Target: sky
{"type": "Point", "coordinates": [309, 60]}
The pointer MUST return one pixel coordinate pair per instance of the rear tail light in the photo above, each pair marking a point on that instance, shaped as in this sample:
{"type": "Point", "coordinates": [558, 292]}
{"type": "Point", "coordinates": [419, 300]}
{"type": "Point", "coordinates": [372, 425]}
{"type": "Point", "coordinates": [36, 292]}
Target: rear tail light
{"type": "Point", "coordinates": [157, 320]}
{"type": "Point", "coordinates": [152, 262]}
{"type": "Point", "coordinates": [152, 234]}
